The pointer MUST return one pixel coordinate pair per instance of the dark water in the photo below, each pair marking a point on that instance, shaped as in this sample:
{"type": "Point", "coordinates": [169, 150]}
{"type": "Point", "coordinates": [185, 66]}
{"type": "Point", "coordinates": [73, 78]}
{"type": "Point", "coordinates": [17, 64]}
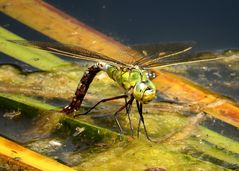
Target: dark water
{"type": "Point", "coordinates": [213, 24]}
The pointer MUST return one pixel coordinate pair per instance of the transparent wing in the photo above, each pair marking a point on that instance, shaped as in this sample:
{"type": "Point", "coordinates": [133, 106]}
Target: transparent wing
{"type": "Point", "coordinates": [155, 53]}
{"type": "Point", "coordinates": [170, 54]}
{"type": "Point", "coordinates": [68, 50]}
{"type": "Point", "coordinates": [185, 59]}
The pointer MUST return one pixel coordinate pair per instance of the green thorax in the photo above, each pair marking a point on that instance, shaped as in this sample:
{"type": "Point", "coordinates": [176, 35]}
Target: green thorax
{"type": "Point", "coordinates": [126, 77]}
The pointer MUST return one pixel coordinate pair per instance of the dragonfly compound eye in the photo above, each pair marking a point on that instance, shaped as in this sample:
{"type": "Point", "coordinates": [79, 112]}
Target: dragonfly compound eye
{"type": "Point", "coordinates": [144, 91]}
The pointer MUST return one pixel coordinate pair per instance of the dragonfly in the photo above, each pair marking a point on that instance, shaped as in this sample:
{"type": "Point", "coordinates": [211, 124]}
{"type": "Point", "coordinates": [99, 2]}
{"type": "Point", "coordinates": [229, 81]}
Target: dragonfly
{"type": "Point", "coordinates": [133, 76]}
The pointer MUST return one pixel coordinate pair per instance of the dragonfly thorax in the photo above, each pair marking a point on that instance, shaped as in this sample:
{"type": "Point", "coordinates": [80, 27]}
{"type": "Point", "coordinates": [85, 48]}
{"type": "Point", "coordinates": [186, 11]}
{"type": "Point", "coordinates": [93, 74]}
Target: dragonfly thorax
{"type": "Point", "coordinates": [133, 80]}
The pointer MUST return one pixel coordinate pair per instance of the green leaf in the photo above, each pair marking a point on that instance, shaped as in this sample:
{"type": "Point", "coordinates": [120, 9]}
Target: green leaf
{"type": "Point", "coordinates": [36, 58]}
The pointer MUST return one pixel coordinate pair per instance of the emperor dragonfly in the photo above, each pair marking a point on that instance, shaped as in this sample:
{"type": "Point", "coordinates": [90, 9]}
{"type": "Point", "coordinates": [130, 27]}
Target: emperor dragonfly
{"type": "Point", "coordinates": [133, 76]}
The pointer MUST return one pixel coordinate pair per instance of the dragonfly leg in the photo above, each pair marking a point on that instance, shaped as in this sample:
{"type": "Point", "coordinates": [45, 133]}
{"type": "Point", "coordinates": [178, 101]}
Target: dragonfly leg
{"type": "Point", "coordinates": [82, 88]}
{"type": "Point", "coordinates": [102, 101]}
{"type": "Point", "coordinates": [140, 110]}
{"type": "Point", "coordinates": [119, 110]}
{"type": "Point", "coordinates": [128, 108]}
{"type": "Point", "coordinates": [138, 107]}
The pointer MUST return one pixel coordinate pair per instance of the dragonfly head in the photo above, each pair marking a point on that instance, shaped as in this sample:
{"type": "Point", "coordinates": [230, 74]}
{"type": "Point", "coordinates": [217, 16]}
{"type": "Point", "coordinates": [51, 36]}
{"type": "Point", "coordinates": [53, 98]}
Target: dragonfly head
{"type": "Point", "coordinates": [144, 91]}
